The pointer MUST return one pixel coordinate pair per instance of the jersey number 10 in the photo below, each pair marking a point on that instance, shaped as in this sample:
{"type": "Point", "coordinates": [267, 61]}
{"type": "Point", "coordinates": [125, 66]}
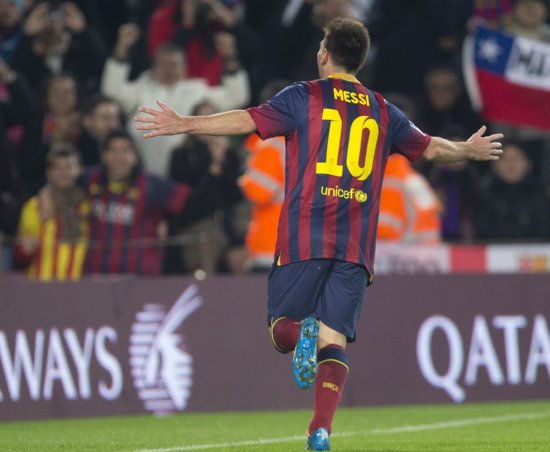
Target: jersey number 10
{"type": "Point", "coordinates": [330, 165]}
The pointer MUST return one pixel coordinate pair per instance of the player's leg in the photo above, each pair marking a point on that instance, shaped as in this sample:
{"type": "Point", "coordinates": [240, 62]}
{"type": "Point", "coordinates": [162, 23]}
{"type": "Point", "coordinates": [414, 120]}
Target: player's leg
{"type": "Point", "coordinates": [341, 303]}
{"type": "Point", "coordinates": [292, 294]}
{"type": "Point", "coordinates": [284, 333]}
{"type": "Point", "coordinates": [332, 371]}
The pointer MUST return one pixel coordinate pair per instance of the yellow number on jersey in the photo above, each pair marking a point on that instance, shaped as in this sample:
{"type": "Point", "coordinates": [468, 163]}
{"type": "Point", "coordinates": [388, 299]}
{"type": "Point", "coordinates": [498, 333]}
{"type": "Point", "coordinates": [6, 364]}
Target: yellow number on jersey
{"type": "Point", "coordinates": [330, 166]}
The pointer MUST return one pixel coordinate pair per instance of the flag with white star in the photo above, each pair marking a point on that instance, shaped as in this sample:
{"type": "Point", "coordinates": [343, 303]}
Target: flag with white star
{"type": "Point", "coordinates": [508, 78]}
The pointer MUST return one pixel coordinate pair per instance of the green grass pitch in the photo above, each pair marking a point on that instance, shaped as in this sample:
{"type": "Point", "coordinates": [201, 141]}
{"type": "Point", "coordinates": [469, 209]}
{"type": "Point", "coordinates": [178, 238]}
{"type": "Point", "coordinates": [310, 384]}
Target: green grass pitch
{"type": "Point", "coordinates": [497, 427]}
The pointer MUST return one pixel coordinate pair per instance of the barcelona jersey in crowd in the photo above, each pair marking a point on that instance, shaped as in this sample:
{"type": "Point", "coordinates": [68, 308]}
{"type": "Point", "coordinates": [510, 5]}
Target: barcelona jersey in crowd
{"type": "Point", "coordinates": [123, 216]}
{"type": "Point", "coordinates": [54, 258]}
{"type": "Point", "coordinates": [338, 137]}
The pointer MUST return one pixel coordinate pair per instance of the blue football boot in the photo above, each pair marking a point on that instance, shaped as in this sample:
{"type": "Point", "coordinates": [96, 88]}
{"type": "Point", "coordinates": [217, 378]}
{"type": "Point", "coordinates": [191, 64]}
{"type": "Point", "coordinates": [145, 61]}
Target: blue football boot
{"type": "Point", "coordinates": [304, 363]}
{"type": "Point", "coordinates": [318, 441]}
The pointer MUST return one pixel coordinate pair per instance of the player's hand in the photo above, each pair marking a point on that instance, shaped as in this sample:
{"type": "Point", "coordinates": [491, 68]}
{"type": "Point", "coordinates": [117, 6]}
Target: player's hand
{"type": "Point", "coordinates": [161, 122]}
{"type": "Point", "coordinates": [485, 148]}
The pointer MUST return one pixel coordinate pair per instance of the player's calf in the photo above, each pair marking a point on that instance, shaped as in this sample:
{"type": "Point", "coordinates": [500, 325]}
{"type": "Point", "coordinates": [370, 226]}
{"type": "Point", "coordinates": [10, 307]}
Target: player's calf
{"type": "Point", "coordinates": [331, 376]}
{"type": "Point", "coordinates": [284, 333]}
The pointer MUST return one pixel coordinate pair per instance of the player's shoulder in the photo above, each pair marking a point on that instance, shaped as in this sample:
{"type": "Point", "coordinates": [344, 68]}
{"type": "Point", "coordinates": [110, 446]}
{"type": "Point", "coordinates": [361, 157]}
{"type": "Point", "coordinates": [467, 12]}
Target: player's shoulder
{"type": "Point", "coordinates": [294, 89]}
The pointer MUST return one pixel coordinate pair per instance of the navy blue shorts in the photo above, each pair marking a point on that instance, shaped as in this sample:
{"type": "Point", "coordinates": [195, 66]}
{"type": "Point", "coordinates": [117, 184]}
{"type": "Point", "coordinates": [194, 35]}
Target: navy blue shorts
{"type": "Point", "coordinates": [327, 289]}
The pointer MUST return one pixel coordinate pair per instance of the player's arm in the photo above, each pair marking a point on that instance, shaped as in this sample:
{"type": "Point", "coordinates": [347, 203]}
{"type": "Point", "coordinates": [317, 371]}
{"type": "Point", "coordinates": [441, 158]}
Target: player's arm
{"type": "Point", "coordinates": [477, 147]}
{"type": "Point", "coordinates": [167, 122]}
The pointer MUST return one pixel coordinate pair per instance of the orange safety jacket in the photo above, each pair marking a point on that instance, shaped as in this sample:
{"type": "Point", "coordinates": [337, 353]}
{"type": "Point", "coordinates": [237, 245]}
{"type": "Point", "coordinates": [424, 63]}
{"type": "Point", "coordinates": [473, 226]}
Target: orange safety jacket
{"type": "Point", "coordinates": [263, 184]}
{"type": "Point", "coordinates": [409, 208]}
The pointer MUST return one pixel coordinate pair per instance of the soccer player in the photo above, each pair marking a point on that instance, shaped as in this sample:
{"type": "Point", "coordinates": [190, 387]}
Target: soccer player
{"type": "Point", "coordinates": [339, 135]}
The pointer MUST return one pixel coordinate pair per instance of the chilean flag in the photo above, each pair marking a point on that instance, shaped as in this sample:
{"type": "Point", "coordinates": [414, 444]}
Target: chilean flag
{"type": "Point", "coordinates": [508, 78]}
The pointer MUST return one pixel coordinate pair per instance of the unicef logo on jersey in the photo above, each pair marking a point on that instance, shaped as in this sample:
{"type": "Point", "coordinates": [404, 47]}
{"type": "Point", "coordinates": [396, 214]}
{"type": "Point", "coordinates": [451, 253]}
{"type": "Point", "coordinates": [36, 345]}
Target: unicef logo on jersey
{"type": "Point", "coordinates": [337, 192]}
{"type": "Point", "coordinates": [360, 196]}
{"type": "Point", "coordinates": [161, 366]}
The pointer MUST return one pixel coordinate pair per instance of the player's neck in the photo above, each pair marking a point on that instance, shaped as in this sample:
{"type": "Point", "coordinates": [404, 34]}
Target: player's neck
{"type": "Point", "coordinates": [330, 71]}
{"type": "Point", "coordinates": [344, 76]}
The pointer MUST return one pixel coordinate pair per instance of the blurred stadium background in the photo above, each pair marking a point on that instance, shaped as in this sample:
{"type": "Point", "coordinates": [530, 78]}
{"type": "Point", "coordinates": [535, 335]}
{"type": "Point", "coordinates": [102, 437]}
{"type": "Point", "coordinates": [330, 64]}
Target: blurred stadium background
{"type": "Point", "coordinates": [165, 313]}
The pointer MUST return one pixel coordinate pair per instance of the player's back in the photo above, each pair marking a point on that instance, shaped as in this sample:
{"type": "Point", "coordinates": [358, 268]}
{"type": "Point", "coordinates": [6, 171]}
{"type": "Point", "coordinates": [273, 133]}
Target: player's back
{"type": "Point", "coordinates": [338, 135]}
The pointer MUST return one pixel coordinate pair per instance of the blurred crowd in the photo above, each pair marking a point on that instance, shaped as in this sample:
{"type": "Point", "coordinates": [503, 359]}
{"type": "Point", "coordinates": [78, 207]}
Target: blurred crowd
{"type": "Point", "coordinates": [82, 193]}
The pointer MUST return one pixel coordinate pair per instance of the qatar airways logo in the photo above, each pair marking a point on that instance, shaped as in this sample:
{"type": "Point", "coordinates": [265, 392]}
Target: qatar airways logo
{"type": "Point", "coordinates": [160, 363]}
{"type": "Point", "coordinates": [336, 192]}
{"type": "Point", "coordinates": [47, 359]}
{"type": "Point", "coordinates": [462, 369]}
{"type": "Point", "coordinates": [72, 364]}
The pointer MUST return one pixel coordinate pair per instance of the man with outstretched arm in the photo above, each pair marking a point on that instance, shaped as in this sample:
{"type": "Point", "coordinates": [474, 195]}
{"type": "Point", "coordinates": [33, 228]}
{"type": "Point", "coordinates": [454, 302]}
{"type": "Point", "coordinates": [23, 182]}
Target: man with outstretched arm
{"type": "Point", "coordinates": [338, 135]}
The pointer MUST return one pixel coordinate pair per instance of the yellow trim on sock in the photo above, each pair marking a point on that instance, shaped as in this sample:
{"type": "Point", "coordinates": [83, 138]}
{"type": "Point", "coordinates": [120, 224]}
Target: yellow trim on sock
{"type": "Point", "coordinates": [335, 360]}
{"type": "Point", "coordinates": [271, 333]}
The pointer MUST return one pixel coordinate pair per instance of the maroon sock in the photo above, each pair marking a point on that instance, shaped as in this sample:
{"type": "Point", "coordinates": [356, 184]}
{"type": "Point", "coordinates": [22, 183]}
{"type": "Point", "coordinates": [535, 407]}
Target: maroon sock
{"type": "Point", "coordinates": [284, 334]}
{"type": "Point", "coordinates": [331, 376]}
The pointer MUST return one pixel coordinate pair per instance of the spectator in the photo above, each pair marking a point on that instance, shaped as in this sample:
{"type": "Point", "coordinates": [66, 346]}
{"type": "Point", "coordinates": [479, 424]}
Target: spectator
{"type": "Point", "coordinates": [57, 39]}
{"type": "Point", "coordinates": [100, 116]}
{"type": "Point", "coordinates": [127, 211]}
{"type": "Point", "coordinates": [200, 28]}
{"type": "Point", "coordinates": [211, 166]}
{"type": "Point", "coordinates": [57, 124]}
{"type": "Point", "coordinates": [52, 229]}
{"type": "Point", "coordinates": [11, 16]}
{"type": "Point", "coordinates": [167, 79]}
{"type": "Point", "coordinates": [408, 206]}
{"type": "Point", "coordinates": [446, 104]}
{"type": "Point", "coordinates": [263, 184]}
{"type": "Point", "coordinates": [529, 20]}
{"type": "Point", "coordinates": [511, 207]}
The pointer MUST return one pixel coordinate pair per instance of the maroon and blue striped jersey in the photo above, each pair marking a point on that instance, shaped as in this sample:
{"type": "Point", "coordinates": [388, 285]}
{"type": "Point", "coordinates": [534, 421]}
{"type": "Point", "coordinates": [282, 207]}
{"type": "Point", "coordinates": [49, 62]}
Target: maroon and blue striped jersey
{"type": "Point", "coordinates": [338, 137]}
{"type": "Point", "coordinates": [120, 218]}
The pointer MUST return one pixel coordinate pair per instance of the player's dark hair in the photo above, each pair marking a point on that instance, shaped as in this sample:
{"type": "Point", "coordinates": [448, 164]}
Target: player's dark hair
{"type": "Point", "coordinates": [348, 43]}
{"type": "Point", "coordinates": [63, 151]}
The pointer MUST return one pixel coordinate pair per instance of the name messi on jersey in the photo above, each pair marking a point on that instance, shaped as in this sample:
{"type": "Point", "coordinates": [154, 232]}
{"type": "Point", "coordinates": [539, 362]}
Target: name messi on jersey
{"type": "Point", "coordinates": [350, 97]}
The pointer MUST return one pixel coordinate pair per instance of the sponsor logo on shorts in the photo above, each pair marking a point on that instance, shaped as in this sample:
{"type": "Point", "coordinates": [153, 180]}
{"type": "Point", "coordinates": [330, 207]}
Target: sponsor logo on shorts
{"type": "Point", "coordinates": [337, 192]}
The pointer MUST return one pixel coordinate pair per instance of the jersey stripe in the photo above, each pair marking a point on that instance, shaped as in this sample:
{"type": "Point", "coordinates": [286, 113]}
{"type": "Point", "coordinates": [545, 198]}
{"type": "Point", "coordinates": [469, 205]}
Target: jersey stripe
{"type": "Point", "coordinates": [330, 227]}
{"type": "Point", "coordinates": [307, 169]}
{"type": "Point", "coordinates": [354, 252]}
{"type": "Point", "coordinates": [382, 151]}
{"type": "Point", "coordinates": [316, 209]}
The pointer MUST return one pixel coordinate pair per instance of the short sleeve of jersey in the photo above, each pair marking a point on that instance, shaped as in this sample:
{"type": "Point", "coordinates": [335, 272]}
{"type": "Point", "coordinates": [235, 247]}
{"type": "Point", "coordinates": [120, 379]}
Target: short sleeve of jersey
{"type": "Point", "coordinates": [167, 195]}
{"type": "Point", "coordinates": [29, 222]}
{"type": "Point", "coordinates": [278, 117]}
{"type": "Point", "coordinates": [406, 138]}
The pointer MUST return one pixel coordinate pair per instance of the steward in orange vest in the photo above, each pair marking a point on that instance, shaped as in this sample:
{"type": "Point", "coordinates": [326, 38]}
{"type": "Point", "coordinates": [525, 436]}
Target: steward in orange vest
{"type": "Point", "coordinates": [264, 185]}
{"type": "Point", "coordinates": [409, 208]}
